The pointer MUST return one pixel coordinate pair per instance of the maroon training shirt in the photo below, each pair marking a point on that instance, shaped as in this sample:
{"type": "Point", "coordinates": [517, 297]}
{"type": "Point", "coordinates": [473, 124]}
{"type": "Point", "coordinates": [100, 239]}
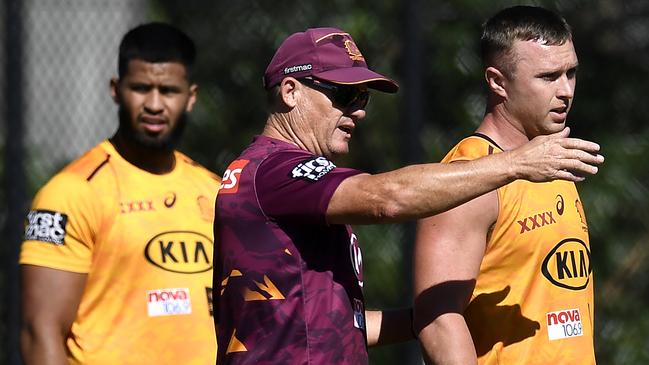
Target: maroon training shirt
{"type": "Point", "coordinates": [287, 285]}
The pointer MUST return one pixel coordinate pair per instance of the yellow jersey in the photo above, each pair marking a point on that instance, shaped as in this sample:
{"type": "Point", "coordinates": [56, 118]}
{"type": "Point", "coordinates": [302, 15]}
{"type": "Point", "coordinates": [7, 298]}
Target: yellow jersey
{"type": "Point", "coordinates": [145, 242]}
{"type": "Point", "coordinates": [533, 299]}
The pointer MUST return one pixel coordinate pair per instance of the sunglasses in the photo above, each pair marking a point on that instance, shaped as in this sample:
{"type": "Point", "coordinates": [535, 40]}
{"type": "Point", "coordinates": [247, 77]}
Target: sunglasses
{"type": "Point", "coordinates": [347, 97]}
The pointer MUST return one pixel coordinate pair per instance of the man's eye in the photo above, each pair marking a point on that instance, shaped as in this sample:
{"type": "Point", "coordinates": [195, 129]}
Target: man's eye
{"type": "Point", "coordinates": [140, 88]}
{"type": "Point", "coordinates": [169, 90]}
{"type": "Point", "coordinates": [571, 73]}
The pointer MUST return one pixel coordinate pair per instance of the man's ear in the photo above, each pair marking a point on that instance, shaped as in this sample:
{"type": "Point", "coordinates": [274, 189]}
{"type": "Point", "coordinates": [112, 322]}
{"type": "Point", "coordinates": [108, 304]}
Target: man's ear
{"type": "Point", "coordinates": [288, 91]}
{"type": "Point", "coordinates": [496, 81]}
{"type": "Point", "coordinates": [193, 89]}
{"type": "Point", "coordinates": [114, 90]}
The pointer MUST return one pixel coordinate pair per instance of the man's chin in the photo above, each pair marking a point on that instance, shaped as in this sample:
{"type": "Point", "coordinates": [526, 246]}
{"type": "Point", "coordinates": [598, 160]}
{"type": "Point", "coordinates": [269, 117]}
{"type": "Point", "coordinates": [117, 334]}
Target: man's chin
{"type": "Point", "coordinates": [558, 120]}
{"type": "Point", "coordinates": [551, 124]}
{"type": "Point", "coordinates": [339, 152]}
{"type": "Point", "coordinates": [167, 140]}
{"type": "Point", "coordinates": [154, 142]}
{"type": "Point", "coordinates": [558, 126]}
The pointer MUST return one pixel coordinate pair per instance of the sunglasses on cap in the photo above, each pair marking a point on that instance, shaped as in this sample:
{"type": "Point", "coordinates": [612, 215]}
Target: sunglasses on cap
{"type": "Point", "coordinates": [347, 97]}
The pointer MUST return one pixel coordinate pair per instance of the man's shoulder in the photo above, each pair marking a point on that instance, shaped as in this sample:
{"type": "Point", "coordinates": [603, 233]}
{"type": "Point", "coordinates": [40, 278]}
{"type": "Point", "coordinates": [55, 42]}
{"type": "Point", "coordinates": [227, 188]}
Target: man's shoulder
{"type": "Point", "coordinates": [78, 173]}
{"type": "Point", "coordinates": [271, 153]}
{"type": "Point", "coordinates": [263, 146]}
{"type": "Point", "coordinates": [472, 147]}
{"type": "Point", "coordinates": [73, 182]}
{"type": "Point", "coordinates": [85, 167]}
{"type": "Point", "coordinates": [196, 168]}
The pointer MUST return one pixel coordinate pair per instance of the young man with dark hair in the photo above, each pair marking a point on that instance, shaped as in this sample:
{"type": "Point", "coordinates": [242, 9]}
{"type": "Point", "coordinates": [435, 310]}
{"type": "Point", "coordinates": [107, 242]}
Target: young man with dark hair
{"type": "Point", "coordinates": [117, 255]}
{"type": "Point", "coordinates": [288, 275]}
{"type": "Point", "coordinates": [506, 277]}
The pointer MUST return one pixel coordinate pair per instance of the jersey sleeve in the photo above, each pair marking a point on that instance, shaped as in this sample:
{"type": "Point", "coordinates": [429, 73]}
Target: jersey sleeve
{"type": "Point", "coordinates": [297, 186]}
{"type": "Point", "coordinates": [61, 227]}
{"type": "Point", "coordinates": [468, 149]}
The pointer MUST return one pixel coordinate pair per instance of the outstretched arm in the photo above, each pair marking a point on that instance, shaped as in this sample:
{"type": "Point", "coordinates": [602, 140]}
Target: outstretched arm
{"type": "Point", "coordinates": [423, 190]}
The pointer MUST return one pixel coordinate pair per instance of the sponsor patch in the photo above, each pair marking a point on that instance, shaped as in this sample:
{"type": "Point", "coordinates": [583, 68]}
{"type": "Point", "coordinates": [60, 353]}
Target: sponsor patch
{"type": "Point", "coordinates": [183, 252]}
{"type": "Point", "coordinates": [560, 204]}
{"type": "Point", "coordinates": [567, 265]}
{"type": "Point", "coordinates": [356, 255]}
{"type": "Point", "coordinates": [536, 221]}
{"type": "Point", "coordinates": [170, 199]}
{"type": "Point", "coordinates": [313, 169]}
{"type": "Point", "coordinates": [564, 324]}
{"type": "Point", "coordinates": [168, 302]}
{"type": "Point", "coordinates": [359, 314]}
{"type": "Point", "coordinates": [137, 206]}
{"type": "Point", "coordinates": [46, 226]}
{"type": "Point", "coordinates": [230, 181]}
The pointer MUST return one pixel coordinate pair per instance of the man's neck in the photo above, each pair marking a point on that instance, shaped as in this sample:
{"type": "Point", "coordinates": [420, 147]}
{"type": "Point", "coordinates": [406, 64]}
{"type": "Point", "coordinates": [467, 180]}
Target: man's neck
{"type": "Point", "coordinates": [280, 126]}
{"type": "Point", "coordinates": [503, 129]}
{"type": "Point", "coordinates": [153, 160]}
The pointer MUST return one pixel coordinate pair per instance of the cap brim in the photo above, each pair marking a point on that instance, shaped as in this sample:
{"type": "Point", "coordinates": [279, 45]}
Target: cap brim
{"type": "Point", "coordinates": [359, 75]}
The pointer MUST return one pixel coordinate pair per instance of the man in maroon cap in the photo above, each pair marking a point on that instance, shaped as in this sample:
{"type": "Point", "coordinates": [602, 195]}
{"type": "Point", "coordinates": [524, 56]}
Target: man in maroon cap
{"type": "Point", "coordinates": [288, 269]}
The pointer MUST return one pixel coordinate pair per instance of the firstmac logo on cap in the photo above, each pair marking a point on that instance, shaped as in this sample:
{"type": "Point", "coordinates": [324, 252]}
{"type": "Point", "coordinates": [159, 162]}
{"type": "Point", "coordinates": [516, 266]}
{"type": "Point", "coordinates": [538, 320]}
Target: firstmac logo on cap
{"type": "Point", "coordinates": [46, 226]}
{"type": "Point", "coordinates": [297, 68]}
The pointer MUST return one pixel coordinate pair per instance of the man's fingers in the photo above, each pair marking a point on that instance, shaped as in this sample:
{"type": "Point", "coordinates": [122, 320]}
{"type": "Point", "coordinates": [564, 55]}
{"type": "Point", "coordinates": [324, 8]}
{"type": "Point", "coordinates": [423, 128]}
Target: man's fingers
{"type": "Point", "coordinates": [579, 144]}
{"type": "Point", "coordinates": [569, 176]}
{"type": "Point", "coordinates": [555, 156]}
{"type": "Point", "coordinates": [589, 158]}
{"type": "Point", "coordinates": [579, 168]}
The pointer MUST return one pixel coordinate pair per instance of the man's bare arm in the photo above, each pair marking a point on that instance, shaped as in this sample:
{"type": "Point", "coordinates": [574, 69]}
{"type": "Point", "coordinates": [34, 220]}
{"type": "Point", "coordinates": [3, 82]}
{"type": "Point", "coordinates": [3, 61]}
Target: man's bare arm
{"type": "Point", "coordinates": [50, 299]}
{"type": "Point", "coordinates": [423, 190]}
{"type": "Point", "coordinates": [448, 253]}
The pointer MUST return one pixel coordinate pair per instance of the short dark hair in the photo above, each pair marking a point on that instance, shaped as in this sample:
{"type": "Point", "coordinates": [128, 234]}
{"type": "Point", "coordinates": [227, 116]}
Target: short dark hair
{"type": "Point", "coordinates": [155, 43]}
{"type": "Point", "coordinates": [520, 23]}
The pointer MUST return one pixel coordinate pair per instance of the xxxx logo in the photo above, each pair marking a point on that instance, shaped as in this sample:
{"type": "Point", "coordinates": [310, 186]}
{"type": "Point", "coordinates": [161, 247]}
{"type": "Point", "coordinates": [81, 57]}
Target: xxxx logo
{"type": "Point", "coordinates": [137, 206]}
{"type": "Point", "coordinates": [536, 221]}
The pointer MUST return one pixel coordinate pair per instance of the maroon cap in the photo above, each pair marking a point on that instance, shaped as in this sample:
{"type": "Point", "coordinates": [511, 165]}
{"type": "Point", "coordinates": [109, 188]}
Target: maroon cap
{"type": "Point", "coordinates": [329, 54]}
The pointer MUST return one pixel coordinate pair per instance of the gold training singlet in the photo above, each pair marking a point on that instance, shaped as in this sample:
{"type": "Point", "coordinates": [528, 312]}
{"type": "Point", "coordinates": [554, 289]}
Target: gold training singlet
{"type": "Point", "coordinates": [533, 300]}
{"type": "Point", "coordinates": [146, 243]}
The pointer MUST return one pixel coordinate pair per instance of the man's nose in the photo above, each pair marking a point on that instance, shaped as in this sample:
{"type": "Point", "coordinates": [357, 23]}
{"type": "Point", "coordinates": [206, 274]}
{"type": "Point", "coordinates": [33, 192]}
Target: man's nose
{"type": "Point", "coordinates": [566, 88]}
{"type": "Point", "coordinates": [357, 114]}
{"type": "Point", "coordinates": [153, 103]}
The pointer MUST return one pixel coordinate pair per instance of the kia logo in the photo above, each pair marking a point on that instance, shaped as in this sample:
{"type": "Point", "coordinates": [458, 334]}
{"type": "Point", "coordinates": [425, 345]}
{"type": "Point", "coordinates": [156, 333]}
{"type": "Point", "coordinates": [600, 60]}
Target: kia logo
{"type": "Point", "coordinates": [182, 252]}
{"type": "Point", "coordinates": [567, 265]}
